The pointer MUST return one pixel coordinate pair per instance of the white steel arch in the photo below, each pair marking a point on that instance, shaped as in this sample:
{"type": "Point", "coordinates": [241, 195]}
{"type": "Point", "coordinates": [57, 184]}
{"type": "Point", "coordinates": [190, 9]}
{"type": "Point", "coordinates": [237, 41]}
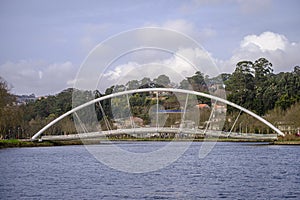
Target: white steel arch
{"type": "Point", "coordinates": [157, 90]}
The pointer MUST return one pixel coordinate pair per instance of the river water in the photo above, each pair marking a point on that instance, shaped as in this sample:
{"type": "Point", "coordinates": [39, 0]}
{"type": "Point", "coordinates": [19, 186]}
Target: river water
{"type": "Point", "coordinates": [230, 171]}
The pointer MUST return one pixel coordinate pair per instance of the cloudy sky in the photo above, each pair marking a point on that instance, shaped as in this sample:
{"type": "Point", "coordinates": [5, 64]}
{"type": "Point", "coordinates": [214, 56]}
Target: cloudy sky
{"type": "Point", "coordinates": [43, 43]}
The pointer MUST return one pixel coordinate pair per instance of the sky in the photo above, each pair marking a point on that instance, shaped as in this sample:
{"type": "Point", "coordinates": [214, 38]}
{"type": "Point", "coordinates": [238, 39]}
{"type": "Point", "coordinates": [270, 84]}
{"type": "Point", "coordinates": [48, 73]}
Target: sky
{"type": "Point", "coordinates": [44, 42]}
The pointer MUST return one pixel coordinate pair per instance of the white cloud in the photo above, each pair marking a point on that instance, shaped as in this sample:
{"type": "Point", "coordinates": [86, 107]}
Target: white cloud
{"type": "Point", "coordinates": [42, 78]}
{"type": "Point", "coordinates": [37, 77]}
{"type": "Point", "coordinates": [180, 25]}
{"type": "Point", "coordinates": [273, 46]}
{"type": "Point", "coordinates": [134, 63]}
{"type": "Point", "coordinates": [189, 60]}
{"type": "Point", "coordinates": [183, 63]}
{"type": "Point", "coordinates": [187, 57]}
{"type": "Point", "coordinates": [282, 53]}
{"type": "Point", "coordinates": [267, 41]}
{"type": "Point", "coordinates": [120, 71]}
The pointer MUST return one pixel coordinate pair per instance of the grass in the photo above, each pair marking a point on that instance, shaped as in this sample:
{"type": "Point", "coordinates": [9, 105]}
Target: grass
{"type": "Point", "coordinates": [11, 141]}
{"type": "Point", "coordinates": [26, 143]}
{"type": "Point", "coordinates": [297, 142]}
{"type": "Point", "coordinates": [21, 143]}
{"type": "Point", "coordinates": [287, 140]}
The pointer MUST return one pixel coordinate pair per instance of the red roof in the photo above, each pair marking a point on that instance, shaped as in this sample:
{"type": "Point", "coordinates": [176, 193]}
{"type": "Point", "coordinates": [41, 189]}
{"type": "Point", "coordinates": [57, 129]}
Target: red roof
{"type": "Point", "coordinates": [202, 105]}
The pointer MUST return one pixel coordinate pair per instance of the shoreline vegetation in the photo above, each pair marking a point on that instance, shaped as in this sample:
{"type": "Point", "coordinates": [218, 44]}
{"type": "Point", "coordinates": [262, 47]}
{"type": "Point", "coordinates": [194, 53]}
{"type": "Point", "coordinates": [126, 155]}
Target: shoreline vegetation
{"type": "Point", "coordinates": [252, 85]}
{"type": "Point", "coordinates": [15, 143]}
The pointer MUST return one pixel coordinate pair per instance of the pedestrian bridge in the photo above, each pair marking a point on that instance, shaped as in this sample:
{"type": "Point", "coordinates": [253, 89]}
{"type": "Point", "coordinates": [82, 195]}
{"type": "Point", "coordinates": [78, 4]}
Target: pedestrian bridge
{"type": "Point", "coordinates": [148, 131]}
{"type": "Point", "coordinates": [162, 133]}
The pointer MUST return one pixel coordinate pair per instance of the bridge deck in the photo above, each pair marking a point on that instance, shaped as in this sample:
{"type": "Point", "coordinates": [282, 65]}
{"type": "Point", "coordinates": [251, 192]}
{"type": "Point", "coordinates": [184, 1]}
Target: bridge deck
{"type": "Point", "coordinates": [151, 131]}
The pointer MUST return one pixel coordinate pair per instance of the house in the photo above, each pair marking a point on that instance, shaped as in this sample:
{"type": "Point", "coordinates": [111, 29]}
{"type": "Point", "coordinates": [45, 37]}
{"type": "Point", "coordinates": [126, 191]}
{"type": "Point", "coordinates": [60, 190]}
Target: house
{"type": "Point", "coordinates": [134, 121]}
{"type": "Point", "coordinates": [220, 108]}
{"type": "Point", "coordinates": [287, 128]}
{"type": "Point", "coordinates": [203, 106]}
{"type": "Point", "coordinates": [24, 99]}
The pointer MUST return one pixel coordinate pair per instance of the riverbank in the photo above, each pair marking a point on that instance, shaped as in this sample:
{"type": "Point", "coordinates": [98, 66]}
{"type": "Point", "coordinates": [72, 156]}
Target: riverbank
{"type": "Point", "coordinates": [289, 139]}
{"type": "Point", "coordinates": [297, 142]}
{"type": "Point", "coordinates": [14, 143]}
{"type": "Point", "coordinates": [27, 143]}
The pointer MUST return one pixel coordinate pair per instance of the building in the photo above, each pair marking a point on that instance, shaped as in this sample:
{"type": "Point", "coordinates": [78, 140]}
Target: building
{"type": "Point", "coordinates": [25, 99]}
{"type": "Point", "coordinates": [287, 128]}
{"type": "Point", "coordinates": [129, 122]}
{"type": "Point", "coordinates": [203, 106]}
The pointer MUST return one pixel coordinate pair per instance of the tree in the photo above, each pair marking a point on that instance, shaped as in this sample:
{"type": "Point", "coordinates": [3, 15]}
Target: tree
{"type": "Point", "coordinates": [225, 76]}
{"type": "Point", "coordinates": [68, 126]}
{"type": "Point", "coordinates": [197, 82]}
{"type": "Point", "coordinates": [63, 101]}
{"type": "Point", "coordinates": [297, 70]}
{"type": "Point", "coordinates": [284, 102]}
{"type": "Point", "coordinates": [133, 84]}
{"type": "Point", "coordinates": [98, 105]}
{"type": "Point", "coordinates": [145, 81]}
{"type": "Point", "coordinates": [245, 67]}
{"type": "Point", "coordinates": [162, 80]}
{"type": "Point", "coordinates": [11, 118]}
{"type": "Point", "coordinates": [241, 85]}
{"type": "Point", "coordinates": [119, 88]}
{"type": "Point", "coordinates": [5, 97]}
{"type": "Point", "coordinates": [262, 68]}
{"type": "Point", "coordinates": [293, 115]}
{"type": "Point", "coordinates": [184, 84]}
{"type": "Point", "coordinates": [107, 103]}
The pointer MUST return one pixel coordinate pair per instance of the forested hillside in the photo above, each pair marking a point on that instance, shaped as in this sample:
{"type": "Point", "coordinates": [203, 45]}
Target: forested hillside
{"type": "Point", "coordinates": [252, 85]}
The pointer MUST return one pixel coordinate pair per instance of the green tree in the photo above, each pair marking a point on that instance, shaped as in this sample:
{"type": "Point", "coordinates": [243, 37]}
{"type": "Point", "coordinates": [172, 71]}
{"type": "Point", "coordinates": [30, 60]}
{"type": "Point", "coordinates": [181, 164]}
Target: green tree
{"type": "Point", "coordinates": [133, 84]}
{"type": "Point", "coordinates": [63, 101]}
{"type": "Point", "coordinates": [10, 115]}
{"type": "Point", "coordinates": [197, 82]}
{"type": "Point", "coordinates": [297, 70]}
{"type": "Point", "coordinates": [284, 102]}
{"type": "Point", "coordinates": [241, 84]}
{"type": "Point", "coordinates": [145, 81]}
{"type": "Point", "coordinates": [162, 80]}
{"type": "Point", "coordinates": [5, 97]}
{"type": "Point", "coordinates": [184, 84]}
{"type": "Point", "coordinates": [262, 68]}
